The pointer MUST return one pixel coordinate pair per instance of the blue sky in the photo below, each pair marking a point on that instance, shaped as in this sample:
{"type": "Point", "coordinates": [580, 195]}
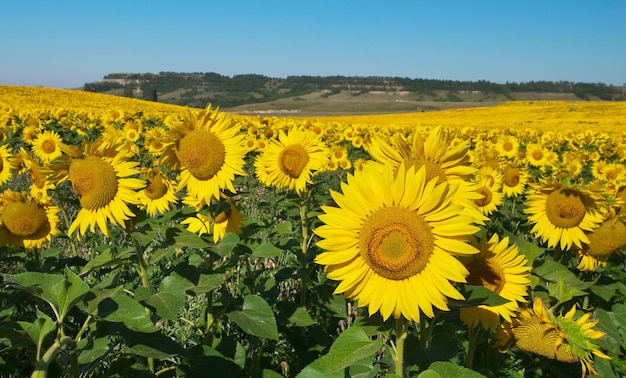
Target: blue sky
{"type": "Point", "coordinates": [65, 44]}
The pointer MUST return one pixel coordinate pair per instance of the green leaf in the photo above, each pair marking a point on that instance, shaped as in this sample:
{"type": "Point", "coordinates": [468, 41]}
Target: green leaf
{"type": "Point", "coordinates": [153, 345]}
{"type": "Point", "coordinates": [270, 374]}
{"type": "Point", "coordinates": [429, 374]}
{"type": "Point", "coordinates": [352, 346]}
{"type": "Point", "coordinates": [226, 246]}
{"type": "Point", "coordinates": [284, 228]}
{"type": "Point", "coordinates": [108, 257]}
{"type": "Point", "coordinates": [552, 271]}
{"type": "Point", "coordinates": [39, 329]}
{"type": "Point", "coordinates": [256, 318]}
{"type": "Point", "coordinates": [476, 295]}
{"type": "Point", "coordinates": [170, 299]}
{"type": "Point", "coordinates": [91, 350]}
{"type": "Point", "coordinates": [160, 253]}
{"type": "Point", "coordinates": [75, 289]}
{"type": "Point", "coordinates": [120, 308]}
{"type": "Point", "coordinates": [184, 238]}
{"type": "Point", "coordinates": [528, 249]}
{"type": "Point", "coordinates": [265, 249]}
{"type": "Point", "coordinates": [295, 314]}
{"type": "Point", "coordinates": [449, 369]}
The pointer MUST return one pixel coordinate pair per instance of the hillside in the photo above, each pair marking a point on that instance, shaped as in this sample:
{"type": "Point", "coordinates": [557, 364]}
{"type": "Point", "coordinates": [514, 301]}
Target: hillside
{"type": "Point", "coordinates": [314, 95]}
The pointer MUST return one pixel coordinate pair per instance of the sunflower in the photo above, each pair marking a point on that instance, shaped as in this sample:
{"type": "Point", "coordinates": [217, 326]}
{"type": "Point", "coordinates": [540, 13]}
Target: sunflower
{"type": "Point", "coordinates": [208, 149]}
{"type": "Point", "coordinates": [292, 160]}
{"type": "Point", "coordinates": [502, 269]}
{"type": "Point", "coordinates": [560, 338]}
{"type": "Point", "coordinates": [229, 219]}
{"type": "Point", "coordinates": [25, 220]}
{"type": "Point", "coordinates": [536, 155]}
{"type": "Point", "coordinates": [561, 214]}
{"type": "Point", "coordinates": [492, 197]}
{"type": "Point", "coordinates": [605, 240]}
{"type": "Point", "coordinates": [508, 146]}
{"type": "Point", "coordinates": [47, 146]}
{"type": "Point", "coordinates": [393, 235]}
{"type": "Point", "coordinates": [514, 180]}
{"type": "Point", "coordinates": [160, 193]}
{"type": "Point", "coordinates": [102, 184]}
{"type": "Point", "coordinates": [6, 164]}
{"type": "Point", "coordinates": [40, 184]}
{"type": "Point", "coordinates": [447, 164]}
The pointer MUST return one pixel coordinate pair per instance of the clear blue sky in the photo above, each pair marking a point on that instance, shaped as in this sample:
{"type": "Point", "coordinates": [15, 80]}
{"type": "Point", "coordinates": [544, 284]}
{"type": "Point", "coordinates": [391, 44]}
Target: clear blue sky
{"type": "Point", "coordinates": [65, 44]}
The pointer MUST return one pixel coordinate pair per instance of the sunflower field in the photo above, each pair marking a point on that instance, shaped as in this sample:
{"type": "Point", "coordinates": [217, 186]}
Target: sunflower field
{"type": "Point", "coordinates": [140, 239]}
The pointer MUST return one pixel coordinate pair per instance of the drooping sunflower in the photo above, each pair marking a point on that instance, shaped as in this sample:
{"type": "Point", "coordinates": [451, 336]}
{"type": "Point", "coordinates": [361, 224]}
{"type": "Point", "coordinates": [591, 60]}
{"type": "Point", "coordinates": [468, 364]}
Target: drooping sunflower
{"type": "Point", "coordinates": [502, 269]}
{"type": "Point", "coordinates": [208, 149]}
{"type": "Point", "coordinates": [102, 183]}
{"type": "Point", "coordinates": [47, 146]}
{"type": "Point", "coordinates": [392, 239]}
{"type": "Point", "coordinates": [451, 165]}
{"type": "Point", "coordinates": [292, 160]}
{"type": "Point", "coordinates": [561, 214]}
{"type": "Point", "coordinates": [6, 165]}
{"type": "Point", "coordinates": [560, 338]}
{"type": "Point", "coordinates": [27, 221]}
{"type": "Point", "coordinates": [605, 240]}
{"type": "Point", "coordinates": [28, 164]}
{"type": "Point", "coordinates": [160, 193]}
{"type": "Point", "coordinates": [229, 219]}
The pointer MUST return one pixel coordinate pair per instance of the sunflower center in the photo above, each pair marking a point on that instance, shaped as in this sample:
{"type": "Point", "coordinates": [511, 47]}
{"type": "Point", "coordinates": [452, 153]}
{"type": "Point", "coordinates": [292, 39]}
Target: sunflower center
{"type": "Point", "coordinates": [94, 181]}
{"type": "Point", "coordinates": [565, 208]}
{"type": "Point", "coordinates": [293, 159]}
{"type": "Point", "coordinates": [26, 220]}
{"type": "Point", "coordinates": [432, 169]}
{"type": "Point", "coordinates": [537, 155]}
{"type": "Point", "coordinates": [157, 188]}
{"type": "Point", "coordinates": [202, 153]}
{"type": "Point", "coordinates": [511, 177]}
{"type": "Point", "coordinates": [484, 273]}
{"type": "Point", "coordinates": [1, 164]}
{"type": "Point", "coordinates": [507, 146]}
{"type": "Point", "coordinates": [396, 242]}
{"type": "Point", "coordinates": [487, 196]}
{"type": "Point", "coordinates": [48, 146]}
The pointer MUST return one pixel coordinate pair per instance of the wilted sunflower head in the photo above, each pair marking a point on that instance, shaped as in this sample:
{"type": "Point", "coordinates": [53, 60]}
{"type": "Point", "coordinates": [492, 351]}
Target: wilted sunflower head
{"type": "Point", "coordinates": [560, 338]}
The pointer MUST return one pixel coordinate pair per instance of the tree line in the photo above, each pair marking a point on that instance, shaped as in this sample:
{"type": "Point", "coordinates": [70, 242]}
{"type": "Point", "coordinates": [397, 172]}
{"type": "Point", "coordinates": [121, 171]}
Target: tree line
{"type": "Point", "coordinates": [247, 88]}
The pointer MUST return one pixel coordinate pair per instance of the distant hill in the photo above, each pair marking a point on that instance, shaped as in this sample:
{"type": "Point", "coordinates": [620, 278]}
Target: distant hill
{"type": "Point", "coordinates": [252, 93]}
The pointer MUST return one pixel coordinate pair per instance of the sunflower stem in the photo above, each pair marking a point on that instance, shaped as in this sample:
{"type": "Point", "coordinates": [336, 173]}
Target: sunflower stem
{"type": "Point", "coordinates": [145, 282]}
{"type": "Point", "coordinates": [66, 219]}
{"type": "Point", "coordinates": [401, 334]}
{"type": "Point", "coordinates": [304, 245]}
{"type": "Point", "coordinates": [471, 347]}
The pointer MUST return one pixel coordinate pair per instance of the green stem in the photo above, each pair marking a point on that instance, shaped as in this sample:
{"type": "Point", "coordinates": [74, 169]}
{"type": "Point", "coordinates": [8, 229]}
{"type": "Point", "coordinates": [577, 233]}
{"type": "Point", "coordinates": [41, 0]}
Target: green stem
{"type": "Point", "coordinates": [210, 319]}
{"type": "Point", "coordinates": [66, 219]}
{"type": "Point", "coordinates": [304, 245]}
{"type": "Point", "coordinates": [401, 334]}
{"type": "Point", "coordinates": [41, 365]}
{"type": "Point", "coordinates": [145, 282]}
{"type": "Point", "coordinates": [471, 348]}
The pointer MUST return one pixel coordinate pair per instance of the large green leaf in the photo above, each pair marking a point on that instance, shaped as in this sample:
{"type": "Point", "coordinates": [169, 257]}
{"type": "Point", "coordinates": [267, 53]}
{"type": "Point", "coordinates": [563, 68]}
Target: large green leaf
{"type": "Point", "coordinates": [352, 346]}
{"type": "Point", "coordinates": [256, 318]}
{"type": "Point", "coordinates": [265, 249]}
{"type": "Point", "coordinates": [39, 329]}
{"type": "Point", "coordinates": [120, 308]}
{"type": "Point", "coordinates": [108, 257]}
{"type": "Point", "coordinates": [449, 369]}
{"type": "Point", "coordinates": [170, 299]}
{"type": "Point", "coordinates": [476, 295]}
